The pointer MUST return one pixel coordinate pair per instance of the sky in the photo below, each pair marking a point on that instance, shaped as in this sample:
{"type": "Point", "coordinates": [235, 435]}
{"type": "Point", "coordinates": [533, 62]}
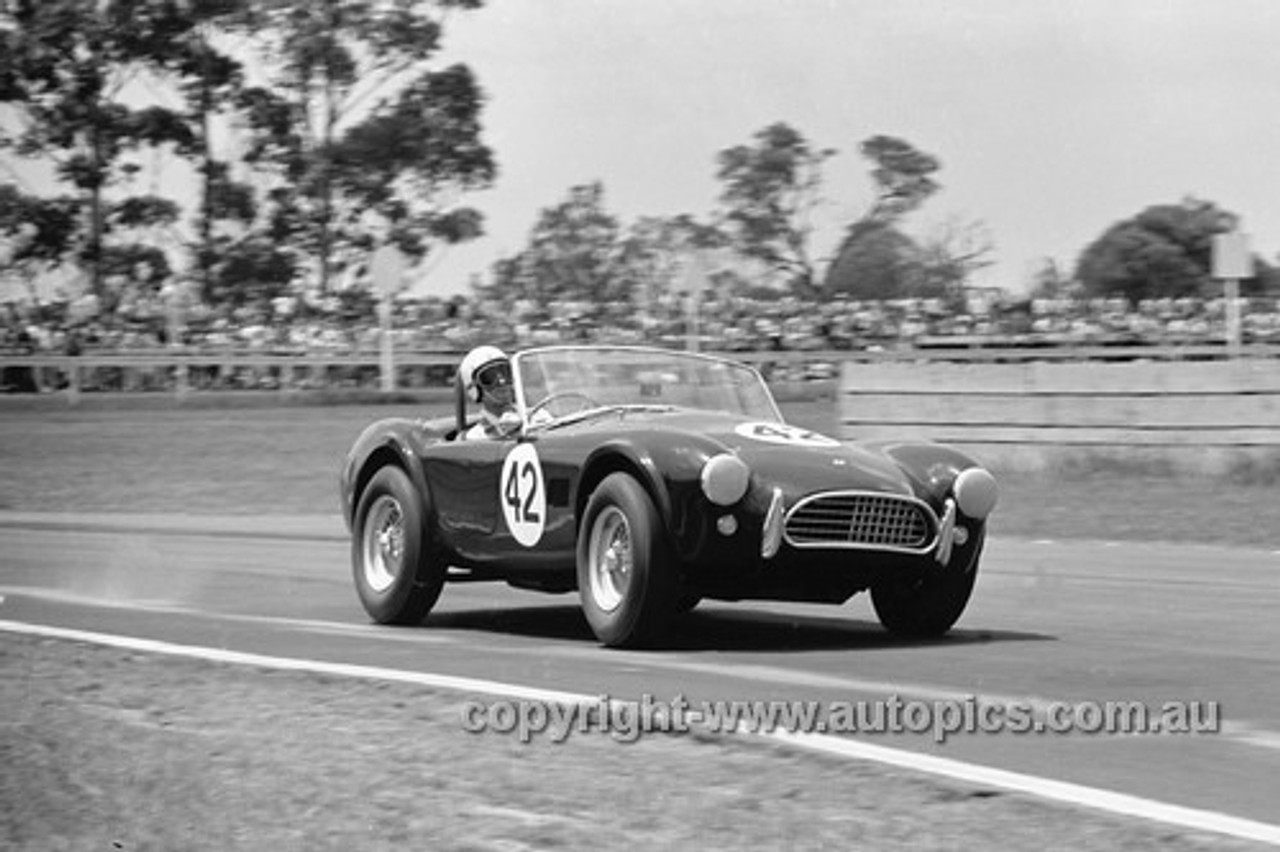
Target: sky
{"type": "Point", "coordinates": [1052, 121]}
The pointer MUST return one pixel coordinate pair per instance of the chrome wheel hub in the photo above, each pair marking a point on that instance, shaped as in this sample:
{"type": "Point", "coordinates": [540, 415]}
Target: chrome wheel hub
{"type": "Point", "coordinates": [610, 559]}
{"type": "Point", "coordinates": [383, 548]}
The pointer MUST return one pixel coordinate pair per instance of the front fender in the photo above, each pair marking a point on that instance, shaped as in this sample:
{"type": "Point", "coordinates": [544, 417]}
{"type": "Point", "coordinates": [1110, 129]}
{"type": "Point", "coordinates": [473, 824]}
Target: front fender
{"type": "Point", "coordinates": [397, 441]}
{"type": "Point", "coordinates": [669, 470]}
{"type": "Point", "coordinates": [931, 468]}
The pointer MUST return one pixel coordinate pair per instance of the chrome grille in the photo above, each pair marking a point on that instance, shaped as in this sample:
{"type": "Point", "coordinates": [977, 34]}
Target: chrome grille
{"type": "Point", "coordinates": [857, 519]}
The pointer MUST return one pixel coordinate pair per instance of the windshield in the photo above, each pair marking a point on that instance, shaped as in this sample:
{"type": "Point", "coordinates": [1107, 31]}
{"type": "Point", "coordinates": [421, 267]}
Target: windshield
{"type": "Point", "coordinates": [564, 380]}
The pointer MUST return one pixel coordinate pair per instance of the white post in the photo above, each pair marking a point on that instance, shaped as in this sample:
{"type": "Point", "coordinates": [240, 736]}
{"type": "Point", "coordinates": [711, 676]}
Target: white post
{"type": "Point", "coordinates": [1231, 289]}
{"type": "Point", "coordinates": [1231, 261]}
{"type": "Point", "coordinates": [388, 365]}
{"type": "Point", "coordinates": [692, 315]}
{"type": "Point", "coordinates": [387, 270]}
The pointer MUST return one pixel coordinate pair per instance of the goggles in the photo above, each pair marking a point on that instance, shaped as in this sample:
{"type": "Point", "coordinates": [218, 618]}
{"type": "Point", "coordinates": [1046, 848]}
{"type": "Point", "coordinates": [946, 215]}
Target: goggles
{"type": "Point", "coordinates": [494, 376]}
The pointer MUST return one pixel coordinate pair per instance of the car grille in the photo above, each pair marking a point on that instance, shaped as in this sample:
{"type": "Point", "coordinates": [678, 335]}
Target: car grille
{"type": "Point", "coordinates": [855, 519]}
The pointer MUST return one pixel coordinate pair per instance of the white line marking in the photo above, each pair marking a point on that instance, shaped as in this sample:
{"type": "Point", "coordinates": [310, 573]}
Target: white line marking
{"type": "Point", "coordinates": [1059, 791]}
{"type": "Point", "coordinates": [1239, 732]}
{"type": "Point", "coordinates": [242, 658]}
{"type": "Point", "coordinates": [308, 624]}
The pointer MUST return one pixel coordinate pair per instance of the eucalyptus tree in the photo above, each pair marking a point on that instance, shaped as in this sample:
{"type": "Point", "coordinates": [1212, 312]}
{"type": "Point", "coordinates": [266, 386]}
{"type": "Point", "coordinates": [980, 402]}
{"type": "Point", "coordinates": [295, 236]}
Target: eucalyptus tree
{"type": "Point", "coordinates": [572, 254]}
{"type": "Point", "coordinates": [771, 191]}
{"type": "Point", "coordinates": [64, 66]}
{"type": "Point", "coordinates": [367, 139]}
{"type": "Point", "coordinates": [878, 259]}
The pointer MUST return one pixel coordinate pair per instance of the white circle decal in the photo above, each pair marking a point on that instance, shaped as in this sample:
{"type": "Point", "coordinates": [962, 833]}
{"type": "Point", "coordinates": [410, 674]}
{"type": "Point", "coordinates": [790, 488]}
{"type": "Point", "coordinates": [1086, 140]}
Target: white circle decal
{"type": "Point", "coordinates": [523, 494]}
{"type": "Point", "coordinates": [781, 433]}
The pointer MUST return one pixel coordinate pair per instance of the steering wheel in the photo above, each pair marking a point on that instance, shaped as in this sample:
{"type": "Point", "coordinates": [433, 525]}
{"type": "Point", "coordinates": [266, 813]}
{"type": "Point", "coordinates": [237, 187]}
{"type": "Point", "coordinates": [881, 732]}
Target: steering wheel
{"type": "Point", "coordinates": [587, 402]}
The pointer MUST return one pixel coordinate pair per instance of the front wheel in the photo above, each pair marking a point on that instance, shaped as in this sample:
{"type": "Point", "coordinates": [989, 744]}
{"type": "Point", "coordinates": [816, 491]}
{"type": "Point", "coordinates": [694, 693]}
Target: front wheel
{"type": "Point", "coordinates": [928, 605]}
{"type": "Point", "coordinates": [395, 581]}
{"type": "Point", "coordinates": [626, 576]}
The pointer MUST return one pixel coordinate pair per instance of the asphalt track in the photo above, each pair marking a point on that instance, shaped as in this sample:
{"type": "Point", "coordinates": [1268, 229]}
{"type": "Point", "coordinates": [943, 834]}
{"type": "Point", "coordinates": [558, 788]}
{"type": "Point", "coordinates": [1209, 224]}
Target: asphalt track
{"type": "Point", "coordinates": [1051, 621]}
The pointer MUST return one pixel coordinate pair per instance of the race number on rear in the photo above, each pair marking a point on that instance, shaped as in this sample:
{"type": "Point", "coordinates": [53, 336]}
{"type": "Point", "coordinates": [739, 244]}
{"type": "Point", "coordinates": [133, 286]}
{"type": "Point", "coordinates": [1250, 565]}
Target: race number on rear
{"type": "Point", "coordinates": [523, 494]}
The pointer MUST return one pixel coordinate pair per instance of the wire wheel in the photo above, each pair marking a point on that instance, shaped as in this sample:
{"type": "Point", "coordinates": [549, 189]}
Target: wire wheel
{"type": "Point", "coordinates": [610, 559]}
{"type": "Point", "coordinates": [395, 577]}
{"type": "Point", "coordinates": [627, 576]}
{"type": "Point", "coordinates": [383, 558]}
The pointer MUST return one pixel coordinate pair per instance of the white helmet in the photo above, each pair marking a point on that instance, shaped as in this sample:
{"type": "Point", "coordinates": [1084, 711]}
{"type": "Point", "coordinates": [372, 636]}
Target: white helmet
{"type": "Point", "coordinates": [475, 361]}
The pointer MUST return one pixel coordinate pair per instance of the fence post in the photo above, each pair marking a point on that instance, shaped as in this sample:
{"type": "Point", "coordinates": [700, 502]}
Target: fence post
{"type": "Point", "coordinates": [73, 380]}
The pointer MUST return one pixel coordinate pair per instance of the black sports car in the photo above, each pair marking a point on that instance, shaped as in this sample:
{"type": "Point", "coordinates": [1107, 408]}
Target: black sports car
{"type": "Point", "coordinates": [649, 479]}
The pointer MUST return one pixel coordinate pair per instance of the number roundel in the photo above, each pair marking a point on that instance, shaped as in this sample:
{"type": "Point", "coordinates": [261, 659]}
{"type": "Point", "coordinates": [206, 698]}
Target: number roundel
{"type": "Point", "coordinates": [781, 433]}
{"type": "Point", "coordinates": [524, 495]}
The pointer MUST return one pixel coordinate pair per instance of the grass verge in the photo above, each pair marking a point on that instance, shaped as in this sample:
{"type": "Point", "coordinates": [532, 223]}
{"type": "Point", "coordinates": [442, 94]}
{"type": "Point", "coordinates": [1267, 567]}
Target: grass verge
{"type": "Point", "coordinates": [236, 459]}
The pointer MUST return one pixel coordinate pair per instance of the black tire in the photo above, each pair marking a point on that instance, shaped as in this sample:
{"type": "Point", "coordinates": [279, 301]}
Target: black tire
{"type": "Point", "coordinates": [395, 581]}
{"type": "Point", "coordinates": [627, 579]}
{"type": "Point", "coordinates": [928, 605]}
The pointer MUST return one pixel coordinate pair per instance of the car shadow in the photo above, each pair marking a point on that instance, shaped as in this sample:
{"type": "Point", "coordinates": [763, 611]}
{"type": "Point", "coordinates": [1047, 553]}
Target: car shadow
{"type": "Point", "coordinates": [721, 629]}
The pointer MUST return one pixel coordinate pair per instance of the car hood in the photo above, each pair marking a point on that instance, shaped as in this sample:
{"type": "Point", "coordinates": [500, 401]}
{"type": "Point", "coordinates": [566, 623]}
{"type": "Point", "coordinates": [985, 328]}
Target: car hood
{"type": "Point", "coordinates": [796, 459]}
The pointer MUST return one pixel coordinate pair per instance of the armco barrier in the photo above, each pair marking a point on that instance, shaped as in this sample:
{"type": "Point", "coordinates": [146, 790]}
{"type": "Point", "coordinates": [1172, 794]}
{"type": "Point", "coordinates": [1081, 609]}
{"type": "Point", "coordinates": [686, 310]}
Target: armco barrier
{"type": "Point", "coordinates": [1204, 416]}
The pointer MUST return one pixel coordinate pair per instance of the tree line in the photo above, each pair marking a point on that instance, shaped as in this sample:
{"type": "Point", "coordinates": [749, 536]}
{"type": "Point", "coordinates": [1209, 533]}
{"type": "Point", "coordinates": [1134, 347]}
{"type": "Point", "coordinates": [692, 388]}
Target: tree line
{"type": "Point", "coordinates": [353, 135]}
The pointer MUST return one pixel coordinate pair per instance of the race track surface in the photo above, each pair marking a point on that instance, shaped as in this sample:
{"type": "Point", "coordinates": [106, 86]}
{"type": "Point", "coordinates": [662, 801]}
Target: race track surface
{"type": "Point", "coordinates": [1051, 621]}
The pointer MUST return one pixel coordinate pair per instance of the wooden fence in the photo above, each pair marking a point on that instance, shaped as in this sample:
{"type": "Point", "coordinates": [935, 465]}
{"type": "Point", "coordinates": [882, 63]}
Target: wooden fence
{"type": "Point", "coordinates": [1184, 414]}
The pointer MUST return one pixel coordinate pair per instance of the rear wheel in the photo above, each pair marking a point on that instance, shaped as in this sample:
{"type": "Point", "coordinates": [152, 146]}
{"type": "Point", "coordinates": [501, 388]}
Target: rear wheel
{"type": "Point", "coordinates": [394, 580]}
{"type": "Point", "coordinates": [626, 576]}
{"type": "Point", "coordinates": [928, 605]}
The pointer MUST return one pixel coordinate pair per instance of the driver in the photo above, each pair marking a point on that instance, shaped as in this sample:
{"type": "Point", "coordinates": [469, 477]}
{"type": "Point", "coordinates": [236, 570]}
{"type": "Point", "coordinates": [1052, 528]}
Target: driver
{"type": "Point", "coordinates": [485, 373]}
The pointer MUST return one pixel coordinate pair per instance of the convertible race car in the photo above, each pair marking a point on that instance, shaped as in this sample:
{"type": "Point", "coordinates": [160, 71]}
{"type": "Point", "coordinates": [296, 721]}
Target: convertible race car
{"type": "Point", "coordinates": [649, 479]}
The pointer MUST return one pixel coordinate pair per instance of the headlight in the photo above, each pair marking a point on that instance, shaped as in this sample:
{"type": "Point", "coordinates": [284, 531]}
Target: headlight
{"type": "Point", "coordinates": [724, 479]}
{"type": "Point", "coordinates": [976, 493]}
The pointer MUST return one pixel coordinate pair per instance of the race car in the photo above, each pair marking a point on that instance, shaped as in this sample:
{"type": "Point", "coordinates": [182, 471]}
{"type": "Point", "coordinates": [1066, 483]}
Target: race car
{"type": "Point", "coordinates": [648, 480]}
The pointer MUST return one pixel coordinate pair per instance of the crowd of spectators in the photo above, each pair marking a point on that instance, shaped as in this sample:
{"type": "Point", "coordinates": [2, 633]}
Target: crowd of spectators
{"type": "Point", "coordinates": [343, 326]}
{"type": "Point", "coordinates": [428, 324]}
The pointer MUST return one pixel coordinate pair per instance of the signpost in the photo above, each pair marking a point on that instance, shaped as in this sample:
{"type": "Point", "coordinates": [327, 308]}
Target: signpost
{"type": "Point", "coordinates": [697, 269]}
{"type": "Point", "coordinates": [387, 270]}
{"type": "Point", "coordinates": [1231, 262]}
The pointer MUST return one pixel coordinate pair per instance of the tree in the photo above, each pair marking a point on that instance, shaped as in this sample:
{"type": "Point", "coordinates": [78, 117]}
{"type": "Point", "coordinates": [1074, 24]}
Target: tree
{"type": "Point", "coordinates": [652, 255]}
{"type": "Point", "coordinates": [212, 83]}
{"type": "Point", "coordinates": [947, 257]}
{"type": "Point", "coordinates": [1049, 281]}
{"type": "Point", "coordinates": [1164, 251]}
{"type": "Point", "coordinates": [40, 230]}
{"type": "Point", "coordinates": [62, 67]}
{"type": "Point", "coordinates": [771, 190]}
{"type": "Point", "coordinates": [877, 259]}
{"type": "Point", "coordinates": [903, 177]}
{"type": "Point", "coordinates": [362, 135]}
{"type": "Point", "coordinates": [874, 262]}
{"type": "Point", "coordinates": [572, 252]}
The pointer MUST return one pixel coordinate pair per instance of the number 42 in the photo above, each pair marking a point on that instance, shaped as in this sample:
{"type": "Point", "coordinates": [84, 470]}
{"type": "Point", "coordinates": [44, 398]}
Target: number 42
{"type": "Point", "coordinates": [522, 506]}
